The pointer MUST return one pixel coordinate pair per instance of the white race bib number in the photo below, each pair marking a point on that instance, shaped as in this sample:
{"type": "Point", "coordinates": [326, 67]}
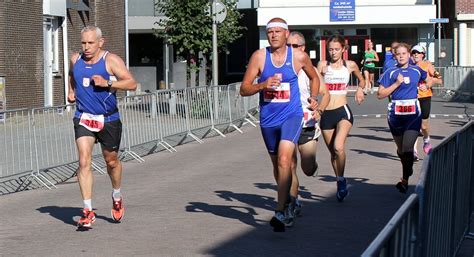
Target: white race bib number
{"type": "Point", "coordinates": [405, 107]}
{"type": "Point", "coordinates": [280, 94]}
{"type": "Point", "coordinates": [94, 123]}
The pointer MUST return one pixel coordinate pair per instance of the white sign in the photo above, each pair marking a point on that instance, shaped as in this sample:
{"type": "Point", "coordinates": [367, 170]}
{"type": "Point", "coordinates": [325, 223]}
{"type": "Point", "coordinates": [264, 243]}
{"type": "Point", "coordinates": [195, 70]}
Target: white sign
{"type": "Point", "coordinates": [378, 48]}
{"type": "Point", "coordinates": [312, 54]}
{"type": "Point", "coordinates": [353, 49]}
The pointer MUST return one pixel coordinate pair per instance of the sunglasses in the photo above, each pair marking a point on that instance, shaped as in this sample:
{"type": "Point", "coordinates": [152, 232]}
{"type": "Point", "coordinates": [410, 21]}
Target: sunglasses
{"type": "Point", "coordinates": [416, 52]}
{"type": "Point", "coordinates": [295, 45]}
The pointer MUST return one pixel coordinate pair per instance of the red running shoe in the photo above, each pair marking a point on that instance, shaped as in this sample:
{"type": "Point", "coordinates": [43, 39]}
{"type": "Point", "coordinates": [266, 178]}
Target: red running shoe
{"type": "Point", "coordinates": [88, 217]}
{"type": "Point", "coordinates": [117, 209]}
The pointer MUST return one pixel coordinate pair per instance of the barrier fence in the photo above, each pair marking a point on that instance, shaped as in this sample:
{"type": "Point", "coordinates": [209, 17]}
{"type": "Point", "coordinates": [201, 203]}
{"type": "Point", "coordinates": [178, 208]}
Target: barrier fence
{"type": "Point", "coordinates": [442, 205]}
{"type": "Point", "coordinates": [37, 140]}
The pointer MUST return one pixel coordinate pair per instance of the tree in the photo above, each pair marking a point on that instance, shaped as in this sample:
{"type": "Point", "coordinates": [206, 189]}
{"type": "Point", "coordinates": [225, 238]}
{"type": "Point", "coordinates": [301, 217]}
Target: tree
{"type": "Point", "coordinates": [188, 27]}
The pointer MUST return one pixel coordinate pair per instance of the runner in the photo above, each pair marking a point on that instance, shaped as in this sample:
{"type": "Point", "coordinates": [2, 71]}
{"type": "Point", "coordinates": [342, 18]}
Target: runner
{"type": "Point", "coordinates": [424, 95]}
{"type": "Point", "coordinates": [97, 118]}
{"type": "Point", "coordinates": [310, 132]}
{"type": "Point", "coordinates": [400, 83]}
{"type": "Point", "coordinates": [281, 113]}
{"type": "Point", "coordinates": [337, 120]}
{"type": "Point", "coordinates": [390, 60]}
{"type": "Point", "coordinates": [370, 57]}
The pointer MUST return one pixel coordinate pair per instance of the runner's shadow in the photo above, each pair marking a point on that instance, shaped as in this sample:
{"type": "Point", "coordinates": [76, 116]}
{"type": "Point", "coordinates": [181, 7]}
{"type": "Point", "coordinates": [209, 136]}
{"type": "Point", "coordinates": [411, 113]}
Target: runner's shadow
{"type": "Point", "coordinates": [303, 191]}
{"type": "Point", "coordinates": [377, 129]}
{"type": "Point", "coordinates": [67, 214]}
{"type": "Point", "coordinates": [258, 201]}
{"type": "Point", "coordinates": [376, 154]}
{"type": "Point", "coordinates": [369, 137]}
{"type": "Point", "coordinates": [244, 214]}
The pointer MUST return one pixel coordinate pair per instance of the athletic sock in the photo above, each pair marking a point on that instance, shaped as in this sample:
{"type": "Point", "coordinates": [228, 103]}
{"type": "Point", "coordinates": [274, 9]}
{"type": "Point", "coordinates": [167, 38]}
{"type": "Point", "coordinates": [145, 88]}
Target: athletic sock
{"type": "Point", "coordinates": [426, 139]}
{"type": "Point", "coordinates": [88, 204]}
{"type": "Point", "coordinates": [116, 194]}
{"type": "Point", "coordinates": [339, 178]}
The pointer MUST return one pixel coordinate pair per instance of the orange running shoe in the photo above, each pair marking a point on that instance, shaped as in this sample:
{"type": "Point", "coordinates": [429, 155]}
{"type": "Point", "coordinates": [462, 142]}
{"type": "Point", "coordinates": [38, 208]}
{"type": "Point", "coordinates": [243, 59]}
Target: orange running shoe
{"type": "Point", "coordinates": [117, 209]}
{"type": "Point", "coordinates": [88, 217]}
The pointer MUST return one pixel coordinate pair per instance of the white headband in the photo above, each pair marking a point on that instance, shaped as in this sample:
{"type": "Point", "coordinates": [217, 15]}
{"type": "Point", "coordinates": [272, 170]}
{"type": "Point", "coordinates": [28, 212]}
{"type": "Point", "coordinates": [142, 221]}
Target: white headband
{"type": "Point", "coordinates": [277, 24]}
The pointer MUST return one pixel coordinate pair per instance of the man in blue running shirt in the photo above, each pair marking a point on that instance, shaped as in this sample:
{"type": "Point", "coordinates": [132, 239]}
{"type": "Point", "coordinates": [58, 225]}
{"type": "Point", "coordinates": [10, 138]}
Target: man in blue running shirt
{"type": "Point", "coordinates": [97, 118]}
{"type": "Point", "coordinates": [281, 114]}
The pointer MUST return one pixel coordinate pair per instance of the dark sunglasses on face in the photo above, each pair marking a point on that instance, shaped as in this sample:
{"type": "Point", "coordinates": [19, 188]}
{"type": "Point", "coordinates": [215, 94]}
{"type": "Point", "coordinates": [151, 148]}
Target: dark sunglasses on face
{"type": "Point", "coordinates": [296, 45]}
{"type": "Point", "coordinates": [416, 52]}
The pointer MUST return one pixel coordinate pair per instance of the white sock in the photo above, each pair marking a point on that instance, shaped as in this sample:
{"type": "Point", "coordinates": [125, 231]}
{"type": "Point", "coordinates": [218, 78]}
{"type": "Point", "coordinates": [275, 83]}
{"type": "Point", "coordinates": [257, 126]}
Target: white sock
{"type": "Point", "coordinates": [339, 178]}
{"type": "Point", "coordinates": [116, 194]}
{"type": "Point", "coordinates": [426, 139]}
{"type": "Point", "coordinates": [88, 204]}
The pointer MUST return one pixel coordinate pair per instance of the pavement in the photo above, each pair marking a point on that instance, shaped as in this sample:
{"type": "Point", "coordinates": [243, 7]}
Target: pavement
{"type": "Point", "coordinates": [216, 198]}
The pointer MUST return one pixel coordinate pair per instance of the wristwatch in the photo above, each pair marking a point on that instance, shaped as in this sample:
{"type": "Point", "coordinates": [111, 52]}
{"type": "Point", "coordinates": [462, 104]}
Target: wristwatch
{"type": "Point", "coordinates": [109, 83]}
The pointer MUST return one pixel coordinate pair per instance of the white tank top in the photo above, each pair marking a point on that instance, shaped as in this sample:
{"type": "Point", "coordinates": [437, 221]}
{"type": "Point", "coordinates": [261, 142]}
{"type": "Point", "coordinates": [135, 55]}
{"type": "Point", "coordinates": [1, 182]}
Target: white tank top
{"type": "Point", "coordinates": [336, 81]}
{"type": "Point", "coordinates": [303, 84]}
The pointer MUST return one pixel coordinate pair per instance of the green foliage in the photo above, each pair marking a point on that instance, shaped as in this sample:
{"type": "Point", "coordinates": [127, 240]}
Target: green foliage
{"type": "Point", "coordinates": [188, 27]}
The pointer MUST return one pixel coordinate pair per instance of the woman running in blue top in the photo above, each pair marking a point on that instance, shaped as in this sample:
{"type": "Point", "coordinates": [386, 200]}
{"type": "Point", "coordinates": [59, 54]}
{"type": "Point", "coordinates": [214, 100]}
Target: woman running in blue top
{"type": "Point", "coordinates": [400, 83]}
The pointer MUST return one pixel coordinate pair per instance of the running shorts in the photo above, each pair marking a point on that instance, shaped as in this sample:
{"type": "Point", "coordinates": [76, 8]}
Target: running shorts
{"type": "Point", "coordinates": [331, 118]}
{"type": "Point", "coordinates": [425, 105]}
{"type": "Point", "coordinates": [109, 137]}
{"type": "Point", "coordinates": [289, 130]}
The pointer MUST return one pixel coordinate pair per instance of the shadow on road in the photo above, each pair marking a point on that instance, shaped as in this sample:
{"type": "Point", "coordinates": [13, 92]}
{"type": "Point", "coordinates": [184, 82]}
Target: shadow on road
{"type": "Point", "coordinates": [67, 214]}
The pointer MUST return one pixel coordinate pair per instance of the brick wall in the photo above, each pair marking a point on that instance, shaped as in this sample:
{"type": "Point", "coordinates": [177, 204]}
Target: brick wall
{"type": "Point", "coordinates": [21, 52]}
{"type": "Point", "coordinates": [21, 46]}
{"type": "Point", "coordinates": [464, 6]}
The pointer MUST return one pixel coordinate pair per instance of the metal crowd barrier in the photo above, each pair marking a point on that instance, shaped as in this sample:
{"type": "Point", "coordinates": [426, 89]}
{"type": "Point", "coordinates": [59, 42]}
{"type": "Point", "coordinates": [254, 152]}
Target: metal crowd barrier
{"type": "Point", "coordinates": [443, 200]}
{"type": "Point", "coordinates": [40, 139]}
{"type": "Point", "coordinates": [398, 238]}
{"type": "Point", "coordinates": [16, 142]}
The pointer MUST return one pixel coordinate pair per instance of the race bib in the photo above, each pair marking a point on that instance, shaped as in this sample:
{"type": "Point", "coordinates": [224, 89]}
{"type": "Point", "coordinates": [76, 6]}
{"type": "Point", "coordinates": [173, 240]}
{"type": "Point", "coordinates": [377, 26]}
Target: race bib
{"type": "Point", "coordinates": [307, 115]}
{"type": "Point", "coordinates": [94, 123]}
{"type": "Point", "coordinates": [405, 107]}
{"type": "Point", "coordinates": [337, 88]}
{"type": "Point", "coordinates": [280, 94]}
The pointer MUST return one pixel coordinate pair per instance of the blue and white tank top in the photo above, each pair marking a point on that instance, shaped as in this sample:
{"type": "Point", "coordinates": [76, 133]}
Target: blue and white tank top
{"type": "Point", "coordinates": [336, 81]}
{"type": "Point", "coordinates": [404, 99]}
{"type": "Point", "coordinates": [277, 106]}
{"type": "Point", "coordinates": [90, 98]}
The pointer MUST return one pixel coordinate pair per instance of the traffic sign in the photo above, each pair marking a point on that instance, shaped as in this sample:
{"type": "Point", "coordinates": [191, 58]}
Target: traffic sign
{"type": "Point", "coordinates": [440, 20]}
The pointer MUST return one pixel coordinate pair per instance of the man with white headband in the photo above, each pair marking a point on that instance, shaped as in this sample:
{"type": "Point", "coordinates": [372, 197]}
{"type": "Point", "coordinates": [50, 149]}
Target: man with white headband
{"type": "Point", "coordinates": [281, 115]}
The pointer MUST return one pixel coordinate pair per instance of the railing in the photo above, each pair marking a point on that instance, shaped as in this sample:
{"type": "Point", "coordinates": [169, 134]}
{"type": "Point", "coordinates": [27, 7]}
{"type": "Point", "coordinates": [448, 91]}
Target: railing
{"type": "Point", "coordinates": [36, 140]}
{"type": "Point", "coordinates": [443, 199]}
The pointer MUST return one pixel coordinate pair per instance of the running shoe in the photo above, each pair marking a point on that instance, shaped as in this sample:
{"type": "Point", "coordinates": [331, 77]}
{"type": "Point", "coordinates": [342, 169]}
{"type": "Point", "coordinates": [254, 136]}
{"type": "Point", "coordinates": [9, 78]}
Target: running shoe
{"type": "Point", "coordinates": [88, 217]}
{"type": "Point", "coordinates": [297, 208]}
{"type": "Point", "coordinates": [342, 191]}
{"type": "Point", "coordinates": [402, 186]}
{"type": "Point", "coordinates": [289, 213]}
{"type": "Point", "coordinates": [427, 147]}
{"type": "Point", "coordinates": [117, 209]}
{"type": "Point", "coordinates": [277, 222]}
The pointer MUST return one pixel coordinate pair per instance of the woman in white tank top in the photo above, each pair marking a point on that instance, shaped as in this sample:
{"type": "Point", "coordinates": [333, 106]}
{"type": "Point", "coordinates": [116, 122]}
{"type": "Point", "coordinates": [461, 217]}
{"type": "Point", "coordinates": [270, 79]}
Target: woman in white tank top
{"type": "Point", "coordinates": [337, 120]}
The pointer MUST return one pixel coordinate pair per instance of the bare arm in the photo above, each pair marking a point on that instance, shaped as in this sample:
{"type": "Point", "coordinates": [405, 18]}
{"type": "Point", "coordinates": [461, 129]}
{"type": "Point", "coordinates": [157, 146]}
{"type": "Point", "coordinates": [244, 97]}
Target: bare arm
{"type": "Point", "coordinates": [435, 79]}
{"type": "Point", "coordinates": [324, 92]}
{"type": "Point", "coordinates": [71, 96]}
{"type": "Point", "coordinates": [247, 88]}
{"type": "Point", "coordinates": [376, 57]}
{"type": "Point", "coordinates": [359, 96]}
{"type": "Point", "coordinates": [125, 80]}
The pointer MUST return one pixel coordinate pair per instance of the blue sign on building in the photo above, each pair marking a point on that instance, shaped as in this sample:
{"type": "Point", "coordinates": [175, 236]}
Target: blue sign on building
{"type": "Point", "coordinates": [342, 10]}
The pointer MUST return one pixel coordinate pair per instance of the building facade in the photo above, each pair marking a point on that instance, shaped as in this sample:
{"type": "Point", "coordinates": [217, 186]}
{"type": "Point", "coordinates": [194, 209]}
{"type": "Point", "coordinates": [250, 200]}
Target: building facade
{"type": "Point", "coordinates": [38, 37]}
{"type": "Point", "coordinates": [380, 21]}
{"type": "Point", "coordinates": [460, 29]}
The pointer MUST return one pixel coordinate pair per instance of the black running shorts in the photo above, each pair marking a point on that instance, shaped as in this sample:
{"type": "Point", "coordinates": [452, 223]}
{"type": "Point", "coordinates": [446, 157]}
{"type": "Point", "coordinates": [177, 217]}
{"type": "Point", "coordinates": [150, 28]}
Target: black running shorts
{"type": "Point", "coordinates": [307, 134]}
{"type": "Point", "coordinates": [109, 137]}
{"type": "Point", "coordinates": [330, 118]}
{"type": "Point", "coordinates": [425, 105]}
